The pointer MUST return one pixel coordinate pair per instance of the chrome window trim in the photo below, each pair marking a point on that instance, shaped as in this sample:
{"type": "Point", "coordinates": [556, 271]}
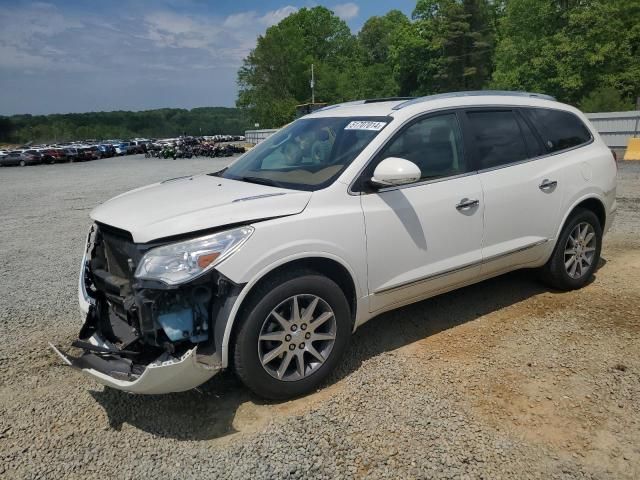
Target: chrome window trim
{"type": "Point", "coordinates": [350, 190]}
{"type": "Point", "coordinates": [539, 157]}
{"type": "Point", "coordinates": [423, 182]}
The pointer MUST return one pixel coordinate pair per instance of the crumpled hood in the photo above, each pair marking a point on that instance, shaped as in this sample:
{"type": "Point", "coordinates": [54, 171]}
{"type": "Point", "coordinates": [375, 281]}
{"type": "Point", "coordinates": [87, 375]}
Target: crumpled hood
{"type": "Point", "coordinates": [189, 204]}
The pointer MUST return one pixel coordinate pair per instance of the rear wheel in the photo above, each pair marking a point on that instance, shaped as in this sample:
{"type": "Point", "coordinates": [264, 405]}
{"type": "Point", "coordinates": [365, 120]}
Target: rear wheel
{"type": "Point", "coordinates": [22, 163]}
{"type": "Point", "coordinates": [294, 330]}
{"type": "Point", "coordinates": [577, 252]}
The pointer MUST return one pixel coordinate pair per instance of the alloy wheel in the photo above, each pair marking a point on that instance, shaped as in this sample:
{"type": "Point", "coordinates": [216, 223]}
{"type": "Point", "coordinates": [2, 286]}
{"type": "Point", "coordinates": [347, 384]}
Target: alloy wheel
{"type": "Point", "coordinates": [580, 250]}
{"type": "Point", "coordinates": [297, 337]}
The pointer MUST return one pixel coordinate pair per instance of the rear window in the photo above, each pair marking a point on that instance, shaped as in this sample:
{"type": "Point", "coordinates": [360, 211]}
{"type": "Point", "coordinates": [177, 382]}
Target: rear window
{"type": "Point", "coordinates": [559, 129]}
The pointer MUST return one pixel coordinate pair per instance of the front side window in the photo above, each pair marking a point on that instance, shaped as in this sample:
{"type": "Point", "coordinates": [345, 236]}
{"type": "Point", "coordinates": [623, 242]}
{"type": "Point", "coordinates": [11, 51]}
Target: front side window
{"type": "Point", "coordinates": [434, 144]}
{"type": "Point", "coordinates": [496, 137]}
{"type": "Point", "coordinates": [559, 129]}
{"type": "Point", "coordinates": [308, 154]}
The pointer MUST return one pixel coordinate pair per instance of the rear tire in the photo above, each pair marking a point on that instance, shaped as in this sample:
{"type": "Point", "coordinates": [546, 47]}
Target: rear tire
{"type": "Point", "coordinates": [22, 163]}
{"type": "Point", "coordinates": [303, 352]}
{"type": "Point", "coordinates": [576, 254]}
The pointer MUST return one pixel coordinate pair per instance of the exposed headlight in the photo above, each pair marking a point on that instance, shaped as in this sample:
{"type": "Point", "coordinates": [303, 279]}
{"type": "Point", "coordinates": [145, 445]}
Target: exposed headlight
{"type": "Point", "coordinates": [184, 261]}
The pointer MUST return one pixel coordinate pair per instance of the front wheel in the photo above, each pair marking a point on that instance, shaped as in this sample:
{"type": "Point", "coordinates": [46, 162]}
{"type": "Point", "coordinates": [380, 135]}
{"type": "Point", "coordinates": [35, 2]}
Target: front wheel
{"type": "Point", "coordinates": [577, 252]}
{"type": "Point", "coordinates": [293, 332]}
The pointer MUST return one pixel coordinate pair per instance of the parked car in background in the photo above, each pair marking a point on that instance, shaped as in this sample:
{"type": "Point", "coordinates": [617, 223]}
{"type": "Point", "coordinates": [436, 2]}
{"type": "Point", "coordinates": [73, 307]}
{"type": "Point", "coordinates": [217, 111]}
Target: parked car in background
{"type": "Point", "coordinates": [107, 150]}
{"type": "Point", "coordinates": [96, 153]}
{"type": "Point", "coordinates": [20, 157]}
{"type": "Point", "coordinates": [122, 148]}
{"type": "Point", "coordinates": [70, 154]}
{"type": "Point", "coordinates": [4, 153]}
{"type": "Point", "coordinates": [37, 154]}
{"type": "Point", "coordinates": [131, 148]}
{"type": "Point", "coordinates": [141, 145]}
{"type": "Point", "coordinates": [53, 155]}
{"type": "Point", "coordinates": [85, 154]}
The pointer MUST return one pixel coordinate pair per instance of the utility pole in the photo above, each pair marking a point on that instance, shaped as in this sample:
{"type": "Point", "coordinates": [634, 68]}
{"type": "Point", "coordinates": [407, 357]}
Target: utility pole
{"type": "Point", "coordinates": [313, 84]}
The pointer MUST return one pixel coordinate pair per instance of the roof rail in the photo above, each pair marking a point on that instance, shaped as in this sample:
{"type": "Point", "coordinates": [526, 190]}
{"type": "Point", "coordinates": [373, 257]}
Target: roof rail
{"type": "Point", "coordinates": [344, 104]}
{"type": "Point", "coordinates": [475, 93]}
{"type": "Point", "coordinates": [387, 99]}
{"type": "Point", "coordinates": [368, 100]}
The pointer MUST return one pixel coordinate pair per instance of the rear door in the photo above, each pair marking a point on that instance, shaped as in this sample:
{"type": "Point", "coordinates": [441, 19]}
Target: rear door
{"type": "Point", "coordinates": [523, 187]}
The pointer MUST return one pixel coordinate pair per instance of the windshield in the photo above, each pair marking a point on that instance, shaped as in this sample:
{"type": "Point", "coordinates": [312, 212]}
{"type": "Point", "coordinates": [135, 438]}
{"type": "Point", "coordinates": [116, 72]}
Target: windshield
{"type": "Point", "coordinates": [308, 154]}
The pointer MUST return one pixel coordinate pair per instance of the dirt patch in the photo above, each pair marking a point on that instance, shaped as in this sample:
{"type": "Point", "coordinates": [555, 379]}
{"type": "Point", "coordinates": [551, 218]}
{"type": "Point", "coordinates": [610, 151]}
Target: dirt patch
{"type": "Point", "coordinates": [559, 370]}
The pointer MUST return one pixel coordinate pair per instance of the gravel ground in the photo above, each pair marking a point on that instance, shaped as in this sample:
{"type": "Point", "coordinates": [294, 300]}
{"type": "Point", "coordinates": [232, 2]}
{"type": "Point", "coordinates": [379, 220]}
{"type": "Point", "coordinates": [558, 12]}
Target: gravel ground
{"type": "Point", "coordinates": [504, 379]}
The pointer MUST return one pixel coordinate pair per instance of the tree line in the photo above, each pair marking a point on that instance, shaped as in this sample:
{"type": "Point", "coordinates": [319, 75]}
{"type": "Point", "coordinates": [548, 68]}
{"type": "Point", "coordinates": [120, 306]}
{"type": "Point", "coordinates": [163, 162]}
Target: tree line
{"type": "Point", "coordinates": [166, 122]}
{"type": "Point", "coordinates": [583, 52]}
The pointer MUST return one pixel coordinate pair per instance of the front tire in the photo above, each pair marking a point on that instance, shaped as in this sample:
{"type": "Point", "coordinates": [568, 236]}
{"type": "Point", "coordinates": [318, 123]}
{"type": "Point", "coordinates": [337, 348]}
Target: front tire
{"type": "Point", "coordinates": [576, 254]}
{"type": "Point", "coordinates": [293, 332]}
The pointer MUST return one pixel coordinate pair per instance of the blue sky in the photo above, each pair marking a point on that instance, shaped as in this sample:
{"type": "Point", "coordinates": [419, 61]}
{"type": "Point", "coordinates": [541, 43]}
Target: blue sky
{"type": "Point", "coordinates": [79, 56]}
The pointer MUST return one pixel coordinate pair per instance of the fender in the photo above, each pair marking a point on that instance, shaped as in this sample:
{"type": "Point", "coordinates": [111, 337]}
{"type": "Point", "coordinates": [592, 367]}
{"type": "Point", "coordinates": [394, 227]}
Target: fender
{"type": "Point", "coordinates": [265, 271]}
{"type": "Point", "coordinates": [586, 196]}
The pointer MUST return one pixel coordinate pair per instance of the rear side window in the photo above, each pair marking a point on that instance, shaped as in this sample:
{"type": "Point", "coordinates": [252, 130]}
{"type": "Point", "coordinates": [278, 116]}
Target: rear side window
{"type": "Point", "coordinates": [559, 129]}
{"type": "Point", "coordinates": [497, 138]}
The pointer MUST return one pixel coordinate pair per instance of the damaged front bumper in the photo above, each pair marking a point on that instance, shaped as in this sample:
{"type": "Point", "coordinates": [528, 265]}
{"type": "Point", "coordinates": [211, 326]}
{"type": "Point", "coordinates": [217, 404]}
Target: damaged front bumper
{"type": "Point", "coordinates": [131, 339]}
{"type": "Point", "coordinates": [164, 375]}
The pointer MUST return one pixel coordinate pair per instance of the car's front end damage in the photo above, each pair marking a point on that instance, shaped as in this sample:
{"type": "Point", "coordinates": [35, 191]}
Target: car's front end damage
{"type": "Point", "coordinates": [151, 335]}
{"type": "Point", "coordinates": [156, 308]}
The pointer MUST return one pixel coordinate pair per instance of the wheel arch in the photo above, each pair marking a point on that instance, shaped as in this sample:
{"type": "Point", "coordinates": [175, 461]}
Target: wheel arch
{"type": "Point", "coordinates": [592, 203]}
{"type": "Point", "coordinates": [328, 266]}
{"type": "Point", "coordinates": [589, 202]}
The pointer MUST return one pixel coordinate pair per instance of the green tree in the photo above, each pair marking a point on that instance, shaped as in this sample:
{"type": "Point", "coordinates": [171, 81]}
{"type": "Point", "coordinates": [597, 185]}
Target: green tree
{"type": "Point", "coordinates": [448, 47]}
{"type": "Point", "coordinates": [569, 48]}
{"type": "Point", "coordinates": [460, 40]}
{"type": "Point", "coordinates": [105, 125]}
{"type": "Point", "coordinates": [605, 99]}
{"type": "Point", "coordinates": [376, 75]}
{"type": "Point", "coordinates": [275, 75]}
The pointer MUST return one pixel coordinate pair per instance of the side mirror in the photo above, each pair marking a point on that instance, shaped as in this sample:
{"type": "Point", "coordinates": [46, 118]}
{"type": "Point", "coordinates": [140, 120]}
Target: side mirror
{"type": "Point", "coordinates": [394, 171]}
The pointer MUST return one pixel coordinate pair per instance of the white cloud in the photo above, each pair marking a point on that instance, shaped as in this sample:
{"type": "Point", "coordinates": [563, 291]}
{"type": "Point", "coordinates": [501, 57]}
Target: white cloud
{"type": "Point", "coordinates": [346, 11]}
{"type": "Point", "coordinates": [276, 16]}
{"type": "Point", "coordinates": [227, 40]}
{"type": "Point", "coordinates": [43, 37]}
{"type": "Point", "coordinates": [57, 58]}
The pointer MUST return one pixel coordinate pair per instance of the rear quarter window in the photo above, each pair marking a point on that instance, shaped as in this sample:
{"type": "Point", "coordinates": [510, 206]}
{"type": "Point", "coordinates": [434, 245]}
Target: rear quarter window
{"type": "Point", "coordinates": [559, 129]}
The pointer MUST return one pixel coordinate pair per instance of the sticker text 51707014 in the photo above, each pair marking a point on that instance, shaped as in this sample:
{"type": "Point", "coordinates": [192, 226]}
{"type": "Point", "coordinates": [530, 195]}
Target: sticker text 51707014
{"type": "Point", "coordinates": [365, 125]}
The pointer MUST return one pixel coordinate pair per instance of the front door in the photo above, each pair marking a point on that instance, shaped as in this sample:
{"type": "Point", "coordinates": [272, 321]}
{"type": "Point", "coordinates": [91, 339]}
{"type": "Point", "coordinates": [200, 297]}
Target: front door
{"type": "Point", "coordinates": [424, 237]}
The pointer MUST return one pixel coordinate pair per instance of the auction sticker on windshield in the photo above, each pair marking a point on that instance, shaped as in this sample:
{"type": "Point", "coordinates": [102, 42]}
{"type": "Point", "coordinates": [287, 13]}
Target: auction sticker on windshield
{"type": "Point", "coordinates": [365, 125]}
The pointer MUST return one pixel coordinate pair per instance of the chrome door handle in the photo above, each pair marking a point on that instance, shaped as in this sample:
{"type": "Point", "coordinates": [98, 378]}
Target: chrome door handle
{"type": "Point", "coordinates": [466, 204]}
{"type": "Point", "coordinates": [548, 184]}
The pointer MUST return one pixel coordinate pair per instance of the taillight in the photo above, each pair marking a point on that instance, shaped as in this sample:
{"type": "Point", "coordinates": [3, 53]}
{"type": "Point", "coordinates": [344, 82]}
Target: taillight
{"type": "Point", "coordinates": [615, 158]}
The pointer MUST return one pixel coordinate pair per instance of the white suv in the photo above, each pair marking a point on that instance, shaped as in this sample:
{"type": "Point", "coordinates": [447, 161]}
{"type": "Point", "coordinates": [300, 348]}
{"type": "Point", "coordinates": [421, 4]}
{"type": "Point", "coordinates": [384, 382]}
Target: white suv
{"type": "Point", "coordinates": [269, 265]}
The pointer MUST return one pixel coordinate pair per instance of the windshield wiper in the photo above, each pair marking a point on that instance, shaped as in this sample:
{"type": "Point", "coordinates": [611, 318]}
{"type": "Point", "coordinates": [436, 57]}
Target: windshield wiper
{"type": "Point", "coordinates": [260, 181]}
{"type": "Point", "coordinates": [218, 173]}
